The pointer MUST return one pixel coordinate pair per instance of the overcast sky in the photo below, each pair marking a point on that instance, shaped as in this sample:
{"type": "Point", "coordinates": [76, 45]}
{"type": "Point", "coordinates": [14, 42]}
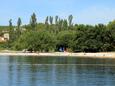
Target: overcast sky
{"type": "Point", "coordinates": [84, 11]}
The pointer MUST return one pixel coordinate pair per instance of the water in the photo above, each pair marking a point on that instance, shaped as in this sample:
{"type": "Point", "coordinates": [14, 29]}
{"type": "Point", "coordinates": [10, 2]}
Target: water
{"type": "Point", "coordinates": [56, 71]}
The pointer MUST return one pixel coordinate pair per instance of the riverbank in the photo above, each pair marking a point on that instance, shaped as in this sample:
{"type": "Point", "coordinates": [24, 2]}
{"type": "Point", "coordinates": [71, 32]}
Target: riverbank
{"type": "Point", "coordinates": [65, 54]}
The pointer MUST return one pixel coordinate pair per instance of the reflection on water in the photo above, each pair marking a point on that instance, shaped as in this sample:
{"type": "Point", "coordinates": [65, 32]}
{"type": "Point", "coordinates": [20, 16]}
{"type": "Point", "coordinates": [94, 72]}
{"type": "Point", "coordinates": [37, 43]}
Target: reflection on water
{"type": "Point", "coordinates": [56, 71]}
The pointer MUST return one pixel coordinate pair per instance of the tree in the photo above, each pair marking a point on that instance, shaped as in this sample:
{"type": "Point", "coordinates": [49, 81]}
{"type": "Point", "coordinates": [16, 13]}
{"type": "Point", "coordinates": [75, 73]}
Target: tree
{"type": "Point", "coordinates": [56, 24]}
{"type": "Point", "coordinates": [65, 24]}
{"type": "Point", "coordinates": [51, 20]}
{"type": "Point", "coordinates": [11, 31]}
{"type": "Point", "coordinates": [34, 41]}
{"type": "Point", "coordinates": [10, 25]}
{"type": "Point", "coordinates": [33, 21]}
{"type": "Point", "coordinates": [70, 18]}
{"type": "Point", "coordinates": [46, 21]}
{"type": "Point", "coordinates": [19, 22]}
{"type": "Point", "coordinates": [56, 20]}
{"type": "Point", "coordinates": [60, 24]}
{"type": "Point", "coordinates": [65, 39]}
{"type": "Point", "coordinates": [111, 25]}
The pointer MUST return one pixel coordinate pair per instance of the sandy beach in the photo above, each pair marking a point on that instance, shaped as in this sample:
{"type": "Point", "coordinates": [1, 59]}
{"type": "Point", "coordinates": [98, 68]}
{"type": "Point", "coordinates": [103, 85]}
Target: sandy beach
{"type": "Point", "coordinates": [65, 54]}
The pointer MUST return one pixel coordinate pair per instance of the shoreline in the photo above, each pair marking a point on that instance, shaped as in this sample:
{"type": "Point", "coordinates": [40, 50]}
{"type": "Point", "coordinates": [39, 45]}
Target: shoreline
{"type": "Point", "coordinates": [63, 54]}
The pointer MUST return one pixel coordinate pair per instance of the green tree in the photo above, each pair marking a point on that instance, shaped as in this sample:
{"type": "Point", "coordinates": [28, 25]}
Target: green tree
{"type": "Point", "coordinates": [34, 41]}
{"type": "Point", "coordinates": [65, 24]}
{"type": "Point", "coordinates": [65, 39]}
{"type": "Point", "coordinates": [33, 21]}
{"type": "Point", "coordinates": [46, 21]}
{"type": "Point", "coordinates": [19, 22]}
{"type": "Point", "coordinates": [11, 31]}
{"type": "Point", "coordinates": [111, 25]}
{"type": "Point", "coordinates": [70, 18]}
{"type": "Point", "coordinates": [51, 20]}
{"type": "Point", "coordinates": [56, 20]}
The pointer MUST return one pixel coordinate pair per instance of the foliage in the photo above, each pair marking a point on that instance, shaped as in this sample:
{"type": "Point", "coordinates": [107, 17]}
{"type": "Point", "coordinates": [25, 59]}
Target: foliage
{"type": "Point", "coordinates": [56, 32]}
{"type": "Point", "coordinates": [18, 30]}
{"type": "Point", "coordinates": [65, 39]}
{"type": "Point", "coordinates": [33, 21]}
{"type": "Point", "coordinates": [35, 41]}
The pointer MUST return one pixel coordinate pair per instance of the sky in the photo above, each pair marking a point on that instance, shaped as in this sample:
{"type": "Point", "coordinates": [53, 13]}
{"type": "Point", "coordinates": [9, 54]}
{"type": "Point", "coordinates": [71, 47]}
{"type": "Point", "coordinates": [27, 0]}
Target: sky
{"type": "Point", "coordinates": [83, 11]}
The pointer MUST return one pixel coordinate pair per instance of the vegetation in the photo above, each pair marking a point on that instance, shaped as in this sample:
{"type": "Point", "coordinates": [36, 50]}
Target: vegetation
{"type": "Point", "coordinates": [34, 41]}
{"type": "Point", "coordinates": [56, 33]}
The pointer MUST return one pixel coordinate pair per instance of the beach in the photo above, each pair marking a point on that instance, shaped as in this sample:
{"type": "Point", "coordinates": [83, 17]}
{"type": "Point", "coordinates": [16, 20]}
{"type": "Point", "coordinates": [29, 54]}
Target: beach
{"type": "Point", "coordinates": [64, 54]}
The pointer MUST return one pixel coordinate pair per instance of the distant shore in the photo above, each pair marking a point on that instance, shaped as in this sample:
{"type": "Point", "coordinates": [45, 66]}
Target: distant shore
{"type": "Point", "coordinates": [64, 54]}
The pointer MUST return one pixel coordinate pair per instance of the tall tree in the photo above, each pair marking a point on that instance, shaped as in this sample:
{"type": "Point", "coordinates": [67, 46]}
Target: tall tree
{"type": "Point", "coordinates": [10, 24]}
{"type": "Point", "coordinates": [19, 22]}
{"type": "Point", "coordinates": [65, 24]}
{"type": "Point", "coordinates": [46, 21]}
{"type": "Point", "coordinates": [10, 30]}
{"type": "Point", "coordinates": [60, 24]}
{"type": "Point", "coordinates": [51, 20]}
{"type": "Point", "coordinates": [33, 21]}
{"type": "Point", "coordinates": [56, 24]}
{"type": "Point", "coordinates": [56, 19]}
{"type": "Point", "coordinates": [70, 18]}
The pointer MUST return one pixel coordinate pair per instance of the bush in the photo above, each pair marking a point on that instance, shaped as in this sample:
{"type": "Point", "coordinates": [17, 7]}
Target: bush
{"type": "Point", "coordinates": [35, 41]}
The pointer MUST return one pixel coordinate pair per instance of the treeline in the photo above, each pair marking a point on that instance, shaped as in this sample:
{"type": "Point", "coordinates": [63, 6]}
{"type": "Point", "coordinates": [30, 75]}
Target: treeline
{"type": "Point", "coordinates": [56, 33]}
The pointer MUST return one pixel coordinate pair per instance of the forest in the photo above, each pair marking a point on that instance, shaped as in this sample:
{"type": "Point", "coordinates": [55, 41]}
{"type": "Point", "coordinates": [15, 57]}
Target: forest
{"type": "Point", "coordinates": [57, 34]}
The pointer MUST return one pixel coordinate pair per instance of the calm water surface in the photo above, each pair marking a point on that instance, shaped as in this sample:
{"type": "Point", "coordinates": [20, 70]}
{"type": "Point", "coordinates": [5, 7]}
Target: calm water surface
{"type": "Point", "coordinates": [56, 71]}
